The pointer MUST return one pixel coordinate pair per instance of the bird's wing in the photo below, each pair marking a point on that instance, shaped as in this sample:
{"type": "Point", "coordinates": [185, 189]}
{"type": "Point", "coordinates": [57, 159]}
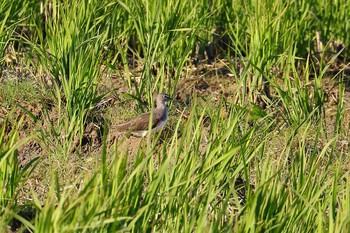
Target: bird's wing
{"type": "Point", "coordinates": [139, 123]}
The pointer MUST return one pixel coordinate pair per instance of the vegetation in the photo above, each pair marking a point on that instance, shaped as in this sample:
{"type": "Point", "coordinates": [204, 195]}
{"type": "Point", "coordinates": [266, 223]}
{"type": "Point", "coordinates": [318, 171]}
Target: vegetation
{"type": "Point", "coordinates": [262, 148]}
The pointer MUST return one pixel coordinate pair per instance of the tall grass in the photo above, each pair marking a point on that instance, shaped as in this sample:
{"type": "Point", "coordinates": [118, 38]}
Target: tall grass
{"type": "Point", "coordinates": [12, 176]}
{"type": "Point", "coordinates": [273, 169]}
{"type": "Point", "coordinates": [11, 14]}
{"type": "Point", "coordinates": [73, 61]}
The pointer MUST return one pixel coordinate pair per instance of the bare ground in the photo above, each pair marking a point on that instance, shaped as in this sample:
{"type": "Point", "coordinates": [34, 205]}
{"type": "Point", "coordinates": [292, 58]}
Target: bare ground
{"type": "Point", "coordinates": [210, 82]}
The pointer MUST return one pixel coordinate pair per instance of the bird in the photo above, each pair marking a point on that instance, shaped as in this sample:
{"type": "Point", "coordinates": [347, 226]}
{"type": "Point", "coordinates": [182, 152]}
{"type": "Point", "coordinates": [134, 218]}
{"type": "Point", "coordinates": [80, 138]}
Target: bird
{"type": "Point", "coordinates": [139, 126]}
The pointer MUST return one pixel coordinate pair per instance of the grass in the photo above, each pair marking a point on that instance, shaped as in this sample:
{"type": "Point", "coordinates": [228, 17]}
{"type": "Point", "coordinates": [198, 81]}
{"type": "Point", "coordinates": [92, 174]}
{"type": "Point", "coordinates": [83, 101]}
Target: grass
{"type": "Point", "coordinates": [15, 93]}
{"type": "Point", "coordinates": [263, 149]}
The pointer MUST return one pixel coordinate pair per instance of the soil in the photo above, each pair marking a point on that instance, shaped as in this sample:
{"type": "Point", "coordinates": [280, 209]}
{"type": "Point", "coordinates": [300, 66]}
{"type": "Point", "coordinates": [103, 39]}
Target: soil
{"type": "Point", "coordinates": [210, 82]}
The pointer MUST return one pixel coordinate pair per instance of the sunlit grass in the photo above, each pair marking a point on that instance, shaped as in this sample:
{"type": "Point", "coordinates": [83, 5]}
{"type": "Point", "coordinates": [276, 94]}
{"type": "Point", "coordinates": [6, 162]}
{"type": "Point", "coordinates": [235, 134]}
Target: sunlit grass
{"type": "Point", "coordinates": [222, 164]}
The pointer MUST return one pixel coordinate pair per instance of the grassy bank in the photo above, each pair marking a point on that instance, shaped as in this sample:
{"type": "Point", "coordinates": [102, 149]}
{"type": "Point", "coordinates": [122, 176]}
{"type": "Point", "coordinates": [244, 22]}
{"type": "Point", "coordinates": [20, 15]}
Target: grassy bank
{"type": "Point", "coordinates": [258, 140]}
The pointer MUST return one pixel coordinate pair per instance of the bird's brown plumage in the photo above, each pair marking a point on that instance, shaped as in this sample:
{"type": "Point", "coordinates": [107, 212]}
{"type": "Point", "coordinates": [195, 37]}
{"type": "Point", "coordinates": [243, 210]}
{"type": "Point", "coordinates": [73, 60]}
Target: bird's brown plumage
{"type": "Point", "coordinates": [141, 122]}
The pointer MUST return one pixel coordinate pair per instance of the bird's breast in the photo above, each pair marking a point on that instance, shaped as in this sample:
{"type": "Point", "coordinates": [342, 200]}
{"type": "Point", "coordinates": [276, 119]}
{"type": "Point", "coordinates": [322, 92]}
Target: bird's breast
{"type": "Point", "coordinates": [160, 126]}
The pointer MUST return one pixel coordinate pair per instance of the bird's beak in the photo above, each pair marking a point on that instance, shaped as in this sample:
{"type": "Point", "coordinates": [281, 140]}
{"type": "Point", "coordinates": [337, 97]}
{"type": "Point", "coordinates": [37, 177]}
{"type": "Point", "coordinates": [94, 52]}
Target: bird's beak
{"type": "Point", "coordinates": [172, 100]}
{"type": "Point", "coordinates": [167, 98]}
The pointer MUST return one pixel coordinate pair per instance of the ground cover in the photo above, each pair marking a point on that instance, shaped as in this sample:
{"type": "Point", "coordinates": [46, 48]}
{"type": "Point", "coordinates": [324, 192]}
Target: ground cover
{"type": "Point", "coordinates": [258, 139]}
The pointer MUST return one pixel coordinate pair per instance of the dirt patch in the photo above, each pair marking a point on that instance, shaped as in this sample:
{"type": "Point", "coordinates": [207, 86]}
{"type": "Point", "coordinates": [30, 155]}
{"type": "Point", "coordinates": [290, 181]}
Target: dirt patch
{"type": "Point", "coordinates": [210, 82]}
